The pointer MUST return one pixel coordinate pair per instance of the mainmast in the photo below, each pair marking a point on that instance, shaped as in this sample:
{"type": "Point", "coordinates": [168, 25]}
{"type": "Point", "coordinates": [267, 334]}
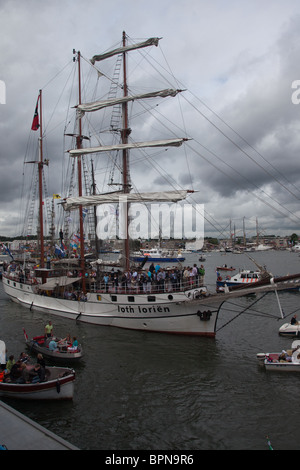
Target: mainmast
{"type": "Point", "coordinates": [79, 166]}
{"type": "Point", "coordinates": [123, 147]}
{"type": "Point", "coordinates": [125, 133]}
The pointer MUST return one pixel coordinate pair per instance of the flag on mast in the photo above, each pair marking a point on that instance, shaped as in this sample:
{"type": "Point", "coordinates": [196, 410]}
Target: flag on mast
{"type": "Point", "coordinates": [35, 123]}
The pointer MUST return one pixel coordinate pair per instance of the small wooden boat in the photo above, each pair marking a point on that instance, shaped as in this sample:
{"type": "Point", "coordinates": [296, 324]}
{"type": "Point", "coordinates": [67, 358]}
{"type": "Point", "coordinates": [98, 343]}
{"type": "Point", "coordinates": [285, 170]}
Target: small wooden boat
{"type": "Point", "coordinates": [64, 351]}
{"type": "Point", "coordinates": [284, 361]}
{"type": "Point", "coordinates": [225, 268]}
{"type": "Point", "coordinates": [59, 385]}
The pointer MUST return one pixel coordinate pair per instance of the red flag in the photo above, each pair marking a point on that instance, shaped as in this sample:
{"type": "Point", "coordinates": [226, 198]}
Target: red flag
{"type": "Point", "coordinates": [35, 123]}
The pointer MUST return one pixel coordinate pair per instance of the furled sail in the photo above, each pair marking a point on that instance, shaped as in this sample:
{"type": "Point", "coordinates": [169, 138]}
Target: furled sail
{"type": "Point", "coordinates": [72, 203]}
{"type": "Point", "coordinates": [95, 106]}
{"type": "Point", "coordinates": [132, 145]}
{"type": "Point", "coordinates": [120, 50]}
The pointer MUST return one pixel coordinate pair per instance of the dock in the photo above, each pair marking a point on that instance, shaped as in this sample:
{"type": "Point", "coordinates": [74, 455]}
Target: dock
{"type": "Point", "coordinates": [17, 432]}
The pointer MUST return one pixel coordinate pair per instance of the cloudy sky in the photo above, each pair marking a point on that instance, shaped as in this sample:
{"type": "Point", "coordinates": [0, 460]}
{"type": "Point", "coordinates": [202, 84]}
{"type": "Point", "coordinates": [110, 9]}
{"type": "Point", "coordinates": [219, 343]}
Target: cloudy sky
{"type": "Point", "coordinates": [237, 60]}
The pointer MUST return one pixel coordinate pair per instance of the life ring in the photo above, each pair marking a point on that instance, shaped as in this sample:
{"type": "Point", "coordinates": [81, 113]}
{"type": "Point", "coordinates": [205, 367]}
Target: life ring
{"type": "Point", "coordinates": [219, 278]}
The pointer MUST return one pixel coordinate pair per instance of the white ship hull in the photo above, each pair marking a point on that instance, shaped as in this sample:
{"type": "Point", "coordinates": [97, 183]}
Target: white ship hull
{"type": "Point", "coordinates": [168, 312]}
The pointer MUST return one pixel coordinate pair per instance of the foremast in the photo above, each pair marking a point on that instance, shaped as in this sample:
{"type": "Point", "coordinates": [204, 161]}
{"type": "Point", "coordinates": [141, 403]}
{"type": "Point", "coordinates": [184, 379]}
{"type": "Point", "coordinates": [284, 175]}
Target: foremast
{"type": "Point", "coordinates": [79, 172]}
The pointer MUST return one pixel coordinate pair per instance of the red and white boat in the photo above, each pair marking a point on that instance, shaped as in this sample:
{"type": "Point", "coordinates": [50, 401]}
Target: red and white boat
{"type": "Point", "coordinates": [59, 385]}
{"type": "Point", "coordinates": [64, 352]}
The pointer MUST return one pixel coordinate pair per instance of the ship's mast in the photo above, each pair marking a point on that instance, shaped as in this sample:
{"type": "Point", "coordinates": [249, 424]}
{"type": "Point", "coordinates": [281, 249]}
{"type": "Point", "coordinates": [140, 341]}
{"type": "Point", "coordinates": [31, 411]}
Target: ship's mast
{"type": "Point", "coordinates": [78, 145]}
{"type": "Point", "coordinates": [125, 132]}
{"type": "Point", "coordinates": [40, 168]}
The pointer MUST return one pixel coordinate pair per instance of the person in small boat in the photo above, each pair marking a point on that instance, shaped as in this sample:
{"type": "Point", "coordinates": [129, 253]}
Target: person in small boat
{"type": "Point", "coordinates": [294, 320]}
{"type": "Point", "coordinates": [53, 345]}
{"type": "Point", "coordinates": [11, 361]}
{"type": "Point", "coordinates": [24, 357]}
{"type": "Point", "coordinates": [25, 375]}
{"type": "Point", "coordinates": [16, 371]}
{"type": "Point", "coordinates": [41, 360]}
{"type": "Point", "coordinates": [39, 372]}
{"type": "Point", "coordinates": [74, 345]}
{"type": "Point", "coordinates": [49, 329]}
{"type": "Point", "coordinates": [284, 356]}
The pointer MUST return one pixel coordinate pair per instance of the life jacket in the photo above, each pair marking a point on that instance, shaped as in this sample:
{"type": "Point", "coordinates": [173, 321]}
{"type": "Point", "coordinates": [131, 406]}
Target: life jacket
{"type": "Point", "coordinates": [1, 376]}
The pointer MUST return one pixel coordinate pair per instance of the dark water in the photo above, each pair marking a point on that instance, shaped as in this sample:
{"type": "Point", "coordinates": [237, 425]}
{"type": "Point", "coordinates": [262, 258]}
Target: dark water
{"type": "Point", "coordinates": [137, 390]}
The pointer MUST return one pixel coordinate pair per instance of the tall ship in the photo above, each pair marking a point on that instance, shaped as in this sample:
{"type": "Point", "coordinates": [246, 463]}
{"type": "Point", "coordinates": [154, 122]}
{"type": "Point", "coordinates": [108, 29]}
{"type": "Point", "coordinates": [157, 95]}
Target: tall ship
{"type": "Point", "coordinates": [120, 294]}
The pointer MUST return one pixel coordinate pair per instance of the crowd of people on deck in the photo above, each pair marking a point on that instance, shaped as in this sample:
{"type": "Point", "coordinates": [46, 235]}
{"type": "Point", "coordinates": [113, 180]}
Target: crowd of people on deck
{"type": "Point", "coordinates": [150, 280]}
{"type": "Point", "coordinates": [155, 279]}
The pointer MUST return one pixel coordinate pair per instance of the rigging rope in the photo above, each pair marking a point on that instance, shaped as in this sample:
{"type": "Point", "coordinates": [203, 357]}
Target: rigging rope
{"type": "Point", "coordinates": [240, 313]}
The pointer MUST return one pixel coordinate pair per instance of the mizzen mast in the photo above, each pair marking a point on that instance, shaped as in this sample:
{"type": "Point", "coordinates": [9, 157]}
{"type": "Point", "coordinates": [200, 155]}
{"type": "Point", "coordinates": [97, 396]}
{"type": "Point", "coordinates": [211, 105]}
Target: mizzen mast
{"type": "Point", "coordinates": [38, 124]}
{"type": "Point", "coordinates": [40, 169]}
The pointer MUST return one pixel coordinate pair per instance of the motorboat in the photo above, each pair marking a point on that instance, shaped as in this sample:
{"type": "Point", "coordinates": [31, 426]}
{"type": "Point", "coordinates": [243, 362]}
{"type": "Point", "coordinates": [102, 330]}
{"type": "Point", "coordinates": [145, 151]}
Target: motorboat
{"type": "Point", "coordinates": [244, 277]}
{"type": "Point", "coordinates": [286, 360]}
{"type": "Point", "coordinates": [64, 352]}
{"type": "Point", "coordinates": [290, 329]}
{"type": "Point", "coordinates": [157, 255]}
{"type": "Point", "coordinates": [263, 247]}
